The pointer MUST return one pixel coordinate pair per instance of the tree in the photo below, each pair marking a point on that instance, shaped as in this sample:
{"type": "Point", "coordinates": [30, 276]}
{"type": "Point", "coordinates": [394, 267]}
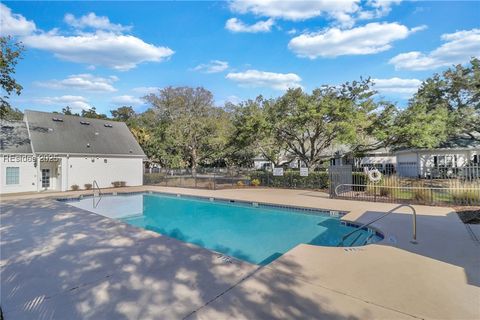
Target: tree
{"type": "Point", "coordinates": [419, 127]}
{"type": "Point", "coordinates": [123, 114]}
{"type": "Point", "coordinates": [311, 125]}
{"type": "Point", "coordinates": [92, 114]}
{"type": "Point", "coordinates": [10, 54]}
{"type": "Point", "coordinates": [253, 134]}
{"type": "Point", "coordinates": [68, 111]}
{"type": "Point", "coordinates": [455, 92]}
{"type": "Point", "coordinates": [187, 124]}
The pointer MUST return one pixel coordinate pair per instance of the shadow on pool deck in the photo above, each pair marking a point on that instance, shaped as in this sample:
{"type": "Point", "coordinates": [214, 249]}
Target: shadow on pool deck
{"type": "Point", "coordinates": [60, 262]}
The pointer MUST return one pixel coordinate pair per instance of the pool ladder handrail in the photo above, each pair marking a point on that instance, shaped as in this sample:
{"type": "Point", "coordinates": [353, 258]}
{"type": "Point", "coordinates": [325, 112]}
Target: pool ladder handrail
{"type": "Point", "coordinates": [95, 184]}
{"type": "Point", "coordinates": [414, 221]}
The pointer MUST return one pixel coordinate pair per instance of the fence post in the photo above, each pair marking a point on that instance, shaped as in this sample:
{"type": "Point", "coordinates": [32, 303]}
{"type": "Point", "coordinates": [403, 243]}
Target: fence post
{"type": "Point", "coordinates": [432, 196]}
{"type": "Point", "coordinates": [214, 179]}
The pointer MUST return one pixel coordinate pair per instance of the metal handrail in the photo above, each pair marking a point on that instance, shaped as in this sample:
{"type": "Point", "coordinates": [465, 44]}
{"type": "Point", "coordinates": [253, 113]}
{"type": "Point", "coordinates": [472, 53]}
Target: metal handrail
{"type": "Point", "coordinates": [414, 237]}
{"type": "Point", "coordinates": [95, 184]}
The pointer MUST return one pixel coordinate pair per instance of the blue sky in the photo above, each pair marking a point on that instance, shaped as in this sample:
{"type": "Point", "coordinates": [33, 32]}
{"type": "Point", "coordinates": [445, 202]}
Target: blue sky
{"type": "Point", "coordinates": [108, 54]}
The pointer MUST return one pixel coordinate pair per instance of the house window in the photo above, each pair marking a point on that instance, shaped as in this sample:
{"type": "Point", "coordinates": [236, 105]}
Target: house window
{"type": "Point", "coordinates": [12, 175]}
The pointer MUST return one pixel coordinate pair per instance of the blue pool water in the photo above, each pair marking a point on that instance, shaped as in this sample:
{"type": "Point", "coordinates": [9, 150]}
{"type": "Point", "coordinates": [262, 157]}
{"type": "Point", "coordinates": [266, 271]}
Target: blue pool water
{"type": "Point", "coordinates": [257, 234]}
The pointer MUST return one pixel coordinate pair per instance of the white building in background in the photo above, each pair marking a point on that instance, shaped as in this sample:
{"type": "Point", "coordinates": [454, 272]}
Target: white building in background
{"type": "Point", "coordinates": [455, 153]}
{"type": "Point", "coordinates": [48, 151]}
{"type": "Point", "coordinates": [382, 159]}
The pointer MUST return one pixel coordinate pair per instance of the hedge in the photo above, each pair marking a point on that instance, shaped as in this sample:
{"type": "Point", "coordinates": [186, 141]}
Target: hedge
{"type": "Point", "coordinates": [153, 178]}
{"type": "Point", "coordinates": [292, 179]}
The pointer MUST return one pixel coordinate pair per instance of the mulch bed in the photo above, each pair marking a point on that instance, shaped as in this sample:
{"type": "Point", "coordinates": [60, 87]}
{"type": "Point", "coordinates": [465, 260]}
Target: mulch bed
{"type": "Point", "coordinates": [470, 215]}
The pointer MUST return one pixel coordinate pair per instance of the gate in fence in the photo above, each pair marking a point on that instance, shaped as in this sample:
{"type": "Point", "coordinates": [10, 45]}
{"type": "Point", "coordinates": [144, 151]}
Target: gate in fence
{"type": "Point", "coordinates": [405, 183]}
{"type": "Point", "coordinates": [341, 180]}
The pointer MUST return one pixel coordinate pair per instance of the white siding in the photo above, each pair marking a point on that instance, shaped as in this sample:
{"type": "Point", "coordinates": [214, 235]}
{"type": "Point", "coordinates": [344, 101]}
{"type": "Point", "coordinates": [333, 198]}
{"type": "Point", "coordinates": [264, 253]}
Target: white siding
{"type": "Point", "coordinates": [378, 160]}
{"type": "Point", "coordinates": [83, 170]}
{"type": "Point", "coordinates": [259, 164]}
{"type": "Point", "coordinates": [27, 175]}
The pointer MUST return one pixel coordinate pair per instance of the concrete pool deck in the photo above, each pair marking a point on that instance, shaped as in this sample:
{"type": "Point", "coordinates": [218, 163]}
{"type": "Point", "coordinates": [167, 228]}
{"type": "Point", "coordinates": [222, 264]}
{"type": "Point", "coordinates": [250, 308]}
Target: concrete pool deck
{"type": "Point", "coordinates": [60, 262]}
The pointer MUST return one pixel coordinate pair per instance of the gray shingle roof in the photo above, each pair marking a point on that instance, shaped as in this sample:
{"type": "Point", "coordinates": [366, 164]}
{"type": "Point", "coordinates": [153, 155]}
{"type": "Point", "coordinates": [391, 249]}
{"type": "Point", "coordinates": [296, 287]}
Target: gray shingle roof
{"type": "Point", "coordinates": [460, 142]}
{"type": "Point", "coordinates": [77, 135]}
{"type": "Point", "coordinates": [14, 137]}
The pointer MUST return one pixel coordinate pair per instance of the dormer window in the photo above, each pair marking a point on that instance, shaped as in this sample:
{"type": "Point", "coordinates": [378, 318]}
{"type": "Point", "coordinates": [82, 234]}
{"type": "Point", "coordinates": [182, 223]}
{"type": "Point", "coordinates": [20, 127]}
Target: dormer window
{"type": "Point", "coordinates": [108, 125]}
{"type": "Point", "coordinates": [57, 119]}
{"type": "Point", "coordinates": [85, 123]}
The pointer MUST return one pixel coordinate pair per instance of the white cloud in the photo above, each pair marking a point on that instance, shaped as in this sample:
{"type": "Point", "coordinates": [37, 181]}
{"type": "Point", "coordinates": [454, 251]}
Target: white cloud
{"type": "Point", "coordinates": [236, 25]}
{"type": "Point", "coordinates": [12, 24]}
{"type": "Point", "coordinates": [295, 10]}
{"type": "Point", "coordinates": [146, 90]}
{"type": "Point", "coordinates": [344, 12]}
{"type": "Point", "coordinates": [93, 21]}
{"type": "Point", "coordinates": [105, 45]}
{"type": "Point", "coordinates": [120, 52]}
{"type": "Point", "coordinates": [255, 78]}
{"type": "Point", "coordinates": [379, 8]}
{"type": "Point", "coordinates": [459, 47]}
{"type": "Point", "coordinates": [396, 85]}
{"type": "Point", "coordinates": [368, 39]}
{"type": "Point", "coordinates": [85, 82]}
{"type": "Point", "coordinates": [292, 31]}
{"type": "Point", "coordinates": [127, 100]}
{"type": "Point", "coordinates": [77, 103]}
{"type": "Point", "coordinates": [213, 66]}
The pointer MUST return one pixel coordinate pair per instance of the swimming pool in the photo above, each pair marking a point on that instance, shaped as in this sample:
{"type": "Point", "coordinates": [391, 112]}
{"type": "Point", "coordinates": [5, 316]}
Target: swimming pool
{"type": "Point", "coordinates": [256, 233]}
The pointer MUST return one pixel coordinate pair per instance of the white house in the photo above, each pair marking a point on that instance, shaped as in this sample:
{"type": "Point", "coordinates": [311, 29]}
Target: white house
{"type": "Point", "coordinates": [454, 153]}
{"type": "Point", "coordinates": [48, 151]}
{"type": "Point", "coordinates": [382, 159]}
{"type": "Point", "coordinates": [338, 155]}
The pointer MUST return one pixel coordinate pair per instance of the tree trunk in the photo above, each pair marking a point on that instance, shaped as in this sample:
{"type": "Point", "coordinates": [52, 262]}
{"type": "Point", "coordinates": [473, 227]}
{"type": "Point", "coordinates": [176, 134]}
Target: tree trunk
{"type": "Point", "coordinates": [194, 161]}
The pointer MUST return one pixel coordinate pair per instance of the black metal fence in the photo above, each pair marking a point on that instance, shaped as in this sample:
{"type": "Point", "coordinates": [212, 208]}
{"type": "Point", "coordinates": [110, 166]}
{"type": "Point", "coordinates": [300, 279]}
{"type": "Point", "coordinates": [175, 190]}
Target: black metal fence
{"type": "Point", "coordinates": [222, 178]}
{"type": "Point", "coordinates": [402, 183]}
{"type": "Point", "coordinates": [203, 178]}
{"type": "Point", "coordinates": [409, 183]}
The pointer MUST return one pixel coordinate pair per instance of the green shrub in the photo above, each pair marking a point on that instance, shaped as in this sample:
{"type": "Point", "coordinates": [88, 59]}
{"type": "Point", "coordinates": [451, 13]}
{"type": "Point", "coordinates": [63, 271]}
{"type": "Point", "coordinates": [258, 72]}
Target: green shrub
{"type": "Point", "coordinates": [88, 186]}
{"type": "Point", "coordinates": [371, 189]}
{"type": "Point", "coordinates": [118, 184]}
{"type": "Point", "coordinates": [388, 182]}
{"type": "Point", "coordinates": [240, 184]}
{"type": "Point", "coordinates": [292, 179]}
{"type": "Point", "coordinates": [255, 182]}
{"type": "Point", "coordinates": [360, 180]}
{"type": "Point", "coordinates": [75, 187]}
{"type": "Point", "coordinates": [466, 197]}
{"type": "Point", "coordinates": [153, 178]}
{"type": "Point", "coordinates": [422, 195]}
